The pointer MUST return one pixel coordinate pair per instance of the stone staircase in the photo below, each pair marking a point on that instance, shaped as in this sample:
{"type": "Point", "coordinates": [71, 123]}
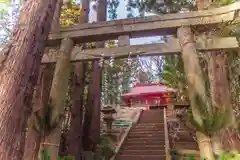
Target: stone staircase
{"type": "Point", "coordinates": [185, 139]}
{"type": "Point", "coordinates": [146, 140]}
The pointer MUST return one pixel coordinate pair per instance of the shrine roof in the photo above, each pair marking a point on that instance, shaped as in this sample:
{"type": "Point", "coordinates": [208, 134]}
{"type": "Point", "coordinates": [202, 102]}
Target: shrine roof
{"type": "Point", "coordinates": [148, 89]}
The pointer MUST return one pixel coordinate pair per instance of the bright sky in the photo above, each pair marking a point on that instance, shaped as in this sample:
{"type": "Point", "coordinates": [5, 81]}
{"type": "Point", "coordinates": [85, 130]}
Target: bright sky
{"type": "Point", "coordinates": [122, 14]}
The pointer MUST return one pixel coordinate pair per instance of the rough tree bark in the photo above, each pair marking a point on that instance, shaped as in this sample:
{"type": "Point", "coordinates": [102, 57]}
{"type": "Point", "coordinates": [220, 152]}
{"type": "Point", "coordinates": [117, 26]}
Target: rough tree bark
{"type": "Point", "coordinates": [19, 72]}
{"type": "Point", "coordinates": [58, 95]}
{"type": "Point", "coordinates": [220, 91]}
{"type": "Point", "coordinates": [219, 85]}
{"type": "Point", "coordinates": [196, 85]}
{"type": "Point", "coordinates": [91, 127]}
{"type": "Point", "coordinates": [42, 94]}
{"type": "Point", "coordinates": [75, 131]}
{"type": "Point", "coordinates": [33, 140]}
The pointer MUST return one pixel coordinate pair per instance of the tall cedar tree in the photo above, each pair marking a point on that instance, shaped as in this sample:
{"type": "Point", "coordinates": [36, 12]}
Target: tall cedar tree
{"type": "Point", "coordinates": [19, 73]}
{"type": "Point", "coordinates": [42, 91]}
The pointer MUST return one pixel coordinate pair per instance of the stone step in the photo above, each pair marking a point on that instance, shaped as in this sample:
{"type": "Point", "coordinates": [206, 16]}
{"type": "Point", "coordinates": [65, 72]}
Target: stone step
{"type": "Point", "coordinates": [146, 127]}
{"type": "Point", "coordinates": [145, 138]}
{"type": "Point", "coordinates": [184, 139]}
{"type": "Point", "coordinates": [147, 131]}
{"type": "Point", "coordinates": [186, 145]}
{"type": "Point", "coordinates": [150, 135]}
{"type": "Point", "coordinates": [144, 131]}
{"type": "Point", "coordinates": [158, 147]}
{"type": "Point", "coordinates": [152, 116]}
{"type": "Point", "coordinates": [140, 157]}
{"type": "Point", "coordinates": [149, 125]}
{"type": "Point", "coordinates": [144, 142]}
{"type": "Point", "coordinates": [185, 133]}
{"type": "Point", "coordinates": [145, 151]}
{"type": "Point", "coordinates": [150, 120]}
{"type": "Point", "coordinates": [153, 111]}
{"type": "Point", "coordinates": [146, 135]}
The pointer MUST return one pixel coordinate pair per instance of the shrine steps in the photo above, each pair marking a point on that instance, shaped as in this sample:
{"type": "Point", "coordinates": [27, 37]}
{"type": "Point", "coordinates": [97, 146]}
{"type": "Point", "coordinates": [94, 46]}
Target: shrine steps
{"type": "Point", "coordinates": [146, 140]}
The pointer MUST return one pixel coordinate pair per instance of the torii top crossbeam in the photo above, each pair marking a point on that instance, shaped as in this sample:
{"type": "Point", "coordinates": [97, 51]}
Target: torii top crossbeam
{"type": "Point", "coordinates": [141, 27]}
{"type": "Point", "coordinates": [146, 26]}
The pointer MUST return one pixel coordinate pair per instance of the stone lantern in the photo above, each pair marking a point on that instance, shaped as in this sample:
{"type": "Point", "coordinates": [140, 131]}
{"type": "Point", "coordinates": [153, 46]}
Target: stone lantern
{"type": "Point", "coordinates": [108, 112]}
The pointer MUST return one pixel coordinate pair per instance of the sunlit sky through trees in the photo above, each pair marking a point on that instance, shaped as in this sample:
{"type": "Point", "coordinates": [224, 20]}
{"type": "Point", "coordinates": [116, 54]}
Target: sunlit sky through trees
{"type": "Point", "coordinates": [12, 5]}
{"type": "Point", "coordinates": [12, 8]}
{"type": "Point", "coordinates": [122, 14]}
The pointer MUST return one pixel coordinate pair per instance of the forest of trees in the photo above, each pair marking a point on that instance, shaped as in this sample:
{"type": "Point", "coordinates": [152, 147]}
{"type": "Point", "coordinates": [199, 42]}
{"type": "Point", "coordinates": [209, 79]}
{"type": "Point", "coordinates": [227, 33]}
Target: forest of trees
{"type": "Point", "coordinates": [41, 102]}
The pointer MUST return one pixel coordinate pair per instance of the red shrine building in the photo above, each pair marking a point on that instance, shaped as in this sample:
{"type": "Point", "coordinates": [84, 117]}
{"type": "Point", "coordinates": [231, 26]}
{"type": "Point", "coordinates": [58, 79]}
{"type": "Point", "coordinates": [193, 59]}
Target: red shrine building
{"type": "Point", "coordinates": [150, 95]}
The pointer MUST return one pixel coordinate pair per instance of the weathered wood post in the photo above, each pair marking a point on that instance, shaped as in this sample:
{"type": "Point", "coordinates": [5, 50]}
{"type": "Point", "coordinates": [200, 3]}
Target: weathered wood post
{"type": "Point", "coordinates": [58, 96]}
{"type": "Point", "coordinates": [196, 85]}
{"type": "Point", "coordinates": [74, 139]}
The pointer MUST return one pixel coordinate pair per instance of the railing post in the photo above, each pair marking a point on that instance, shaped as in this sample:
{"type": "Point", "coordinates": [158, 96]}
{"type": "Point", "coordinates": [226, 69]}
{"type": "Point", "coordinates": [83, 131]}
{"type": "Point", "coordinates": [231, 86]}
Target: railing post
{"type": "Point", "coordinates": [168, 157]}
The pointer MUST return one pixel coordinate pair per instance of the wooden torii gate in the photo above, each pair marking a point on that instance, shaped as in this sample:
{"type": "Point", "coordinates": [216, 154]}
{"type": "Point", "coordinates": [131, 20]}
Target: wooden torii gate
{"type": "Point", "coordinates": [143, 27]}
{"type": "Point", "coordinates": [125, 29]}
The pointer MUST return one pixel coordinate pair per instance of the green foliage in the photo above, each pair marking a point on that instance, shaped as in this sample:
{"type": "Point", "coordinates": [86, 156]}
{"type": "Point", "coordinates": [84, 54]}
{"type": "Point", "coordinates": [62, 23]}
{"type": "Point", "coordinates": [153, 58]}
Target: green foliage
{"type": "Point", "coordinates": [218, 3]}
{"type": "Point", "coordinates": [105, 148]}
{"type": "Point", "coordinates": [112, 8]}
{"type": "Point", "coordinates": [173, 75]}
{"type": "Point", "coordinates": [70, 14]}
{"type": "Point", "coordinates": [223, 156]}
{"type": "Point", "coordinates": [44, 155]}
{"type": "Point", "coordinates": [229, 156]}
{"type": "Point", "coordinates": [171, 6]}
{"type": "Point", "coordinates": [213, 119]}
{"type": "Point", "coordinates": [162, 7]}
{"type": "Point", "coordinates": [45, 123]}
{"type": "Point", "coordinates": [5, 24]}
{"type": "Point", "coordinates": [178, 156]}
{"type": "Point", "coordinates": [116, 72]}
{"type": "Point", "coordinates": [66, 158]}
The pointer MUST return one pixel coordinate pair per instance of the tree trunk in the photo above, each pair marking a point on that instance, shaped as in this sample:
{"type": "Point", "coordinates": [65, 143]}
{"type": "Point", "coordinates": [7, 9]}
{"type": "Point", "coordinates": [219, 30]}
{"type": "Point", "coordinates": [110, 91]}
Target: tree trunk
{"type": "Point", "coordinates": [220, 91]}
{"type": "Point", "coordinates": [19, 73]}
{"type": "Point", "coordinates": [203, 4]}
{"type": "Point", "coordinates": [217, 73]}
{"type": "Point", "coordinates": [91, 127]}
{"type": "Point", "coordinates": [33, 140]}
{"type": "Point", "coordinates": [75, 131]}
{"type": "Point", "coordinates": [42, 94]}
{"type": "Point", "coordinates": [196, 83]}
{"type": "Point", "coordinates": [204, 143]}
{"type": "Point", "coordinates": [56, 18]}
{"type": "Point", "coordinates": [97, 80]}
{"type": "Point", "coordinates": [216, 86]}
{"type": "Point", "coordinates": [58, 95]}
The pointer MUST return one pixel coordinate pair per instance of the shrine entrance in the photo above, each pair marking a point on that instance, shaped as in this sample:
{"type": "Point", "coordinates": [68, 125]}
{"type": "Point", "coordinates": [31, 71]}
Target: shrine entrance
{"type": "Point", "coordinates": [186, 36]}
{"type": "Point", "coordinates": [157, 107]}
{"type": "Point", "coordinates": [152, 96]}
